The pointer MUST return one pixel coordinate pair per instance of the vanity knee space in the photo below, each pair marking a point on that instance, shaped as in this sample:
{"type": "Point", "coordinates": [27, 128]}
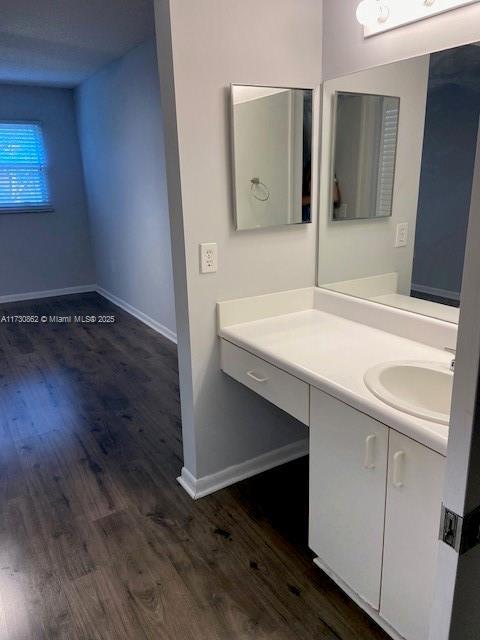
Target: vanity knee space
{"type": "Point", "coordinates": [374, 513]}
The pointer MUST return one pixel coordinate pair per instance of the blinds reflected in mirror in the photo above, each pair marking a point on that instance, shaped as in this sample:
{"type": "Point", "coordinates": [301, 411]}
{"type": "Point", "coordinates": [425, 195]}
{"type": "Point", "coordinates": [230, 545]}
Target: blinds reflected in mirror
{"type": "Point", "coordinates": [388, 150]}
{"type": "Point", "coordinates": [366, 134]}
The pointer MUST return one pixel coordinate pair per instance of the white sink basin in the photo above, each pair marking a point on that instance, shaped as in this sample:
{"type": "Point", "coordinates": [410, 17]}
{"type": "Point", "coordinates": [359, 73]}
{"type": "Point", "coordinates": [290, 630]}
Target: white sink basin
{"type": "Point", "coordinates": [422, 389]}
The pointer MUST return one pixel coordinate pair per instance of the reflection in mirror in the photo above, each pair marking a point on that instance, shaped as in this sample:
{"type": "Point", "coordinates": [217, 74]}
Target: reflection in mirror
{"type": "Point", "coordinates": [272, 155]}
{"type": "Point", "coordinates": [413, 259]}
{"type": "Point", "coordinates": [366, 128]}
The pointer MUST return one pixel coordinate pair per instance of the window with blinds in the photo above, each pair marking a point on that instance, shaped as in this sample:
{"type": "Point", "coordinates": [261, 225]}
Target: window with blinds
{"type": "Point", "coordinates": [388, 152]}
{"type": "Point", "coordinates": [23, 168]}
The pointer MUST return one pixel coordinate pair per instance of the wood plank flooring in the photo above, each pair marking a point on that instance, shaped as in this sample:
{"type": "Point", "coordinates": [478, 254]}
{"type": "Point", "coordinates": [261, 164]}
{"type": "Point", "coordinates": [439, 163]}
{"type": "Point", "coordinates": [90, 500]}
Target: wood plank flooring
{"type": "Point", "coordinates": [99, 542]}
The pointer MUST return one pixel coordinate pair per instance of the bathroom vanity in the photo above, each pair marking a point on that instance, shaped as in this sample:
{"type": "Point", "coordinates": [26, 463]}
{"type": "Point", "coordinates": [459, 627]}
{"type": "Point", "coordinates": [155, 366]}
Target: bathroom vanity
{"type": "Point", "coordinates": [376, 471]}
{"type": "Point", "coordinates": [366, 359]}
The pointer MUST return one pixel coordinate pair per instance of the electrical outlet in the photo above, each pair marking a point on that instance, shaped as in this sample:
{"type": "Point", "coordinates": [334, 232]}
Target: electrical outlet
{"type": "Point", "coordinates": [401, 235]}
{"type": "Point", "coordinates": [208, 257]}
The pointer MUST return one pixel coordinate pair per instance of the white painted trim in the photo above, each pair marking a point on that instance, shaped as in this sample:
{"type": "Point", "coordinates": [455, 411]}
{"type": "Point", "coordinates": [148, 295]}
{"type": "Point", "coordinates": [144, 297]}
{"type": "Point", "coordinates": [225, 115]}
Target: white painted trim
{"type": "Point", "coordinates": [139, 315]}
{"type": "Point", "coordinates": [200, 487]}
{"type": "Point", "coordinates": [90, 288]}
{"type": "Point", "coordinates": [358, 600]}
{"type": "Point", "coordinates": [50, 293]}
{"type": "Point", "coordinates": [456, 601]}
{"type": "Point", "coordinates": [188, 481]}
{"type": "Point", "coordinates": [441, 293]}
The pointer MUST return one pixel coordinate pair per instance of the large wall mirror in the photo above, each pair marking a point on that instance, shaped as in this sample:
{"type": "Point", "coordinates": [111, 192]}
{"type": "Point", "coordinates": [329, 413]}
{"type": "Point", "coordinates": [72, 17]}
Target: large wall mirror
{"type": "Point", "coordinates": [272, 156]}
{"type": "Point", "coordinates": [394, 214]}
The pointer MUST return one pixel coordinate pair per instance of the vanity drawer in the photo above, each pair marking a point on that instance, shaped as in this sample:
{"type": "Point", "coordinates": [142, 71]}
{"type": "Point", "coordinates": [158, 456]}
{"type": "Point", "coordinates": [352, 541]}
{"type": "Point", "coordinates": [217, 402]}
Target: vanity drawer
{"type": "Point", "coordinates": [280, 388]}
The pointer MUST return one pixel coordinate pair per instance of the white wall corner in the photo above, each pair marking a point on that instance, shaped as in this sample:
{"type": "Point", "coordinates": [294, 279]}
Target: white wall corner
{"type": "Point", "coordinates": [200, 487]}
{"type": "Point", "coordinates": [136, 313]}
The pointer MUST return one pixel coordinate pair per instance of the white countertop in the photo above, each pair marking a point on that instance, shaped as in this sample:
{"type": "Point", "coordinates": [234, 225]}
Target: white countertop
{"type": "Point", "coordinates": [332, 354]}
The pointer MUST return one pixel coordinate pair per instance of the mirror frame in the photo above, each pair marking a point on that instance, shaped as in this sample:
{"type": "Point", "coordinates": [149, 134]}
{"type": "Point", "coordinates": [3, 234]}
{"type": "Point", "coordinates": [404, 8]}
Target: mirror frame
{"type": "Point", "coordinates": [316, 109]}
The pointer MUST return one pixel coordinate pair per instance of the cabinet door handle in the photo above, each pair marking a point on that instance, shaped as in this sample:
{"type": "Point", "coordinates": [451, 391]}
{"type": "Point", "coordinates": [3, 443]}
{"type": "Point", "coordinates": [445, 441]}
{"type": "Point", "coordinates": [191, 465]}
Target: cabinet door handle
{"type": "Point", "coordinates": [256, 377]}
{"type": "Point", "coordinates": [370, 452]}
{"type": "Point", "coordinates": [398, 469]}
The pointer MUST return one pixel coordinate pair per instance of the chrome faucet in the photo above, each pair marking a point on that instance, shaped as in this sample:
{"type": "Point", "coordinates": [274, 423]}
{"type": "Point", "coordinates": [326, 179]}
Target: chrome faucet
{"type": "Point", "coordinates": [454, 351]}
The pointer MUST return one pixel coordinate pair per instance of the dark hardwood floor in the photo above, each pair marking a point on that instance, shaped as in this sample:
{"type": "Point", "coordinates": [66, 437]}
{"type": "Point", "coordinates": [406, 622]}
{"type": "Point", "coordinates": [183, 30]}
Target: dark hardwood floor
{"type": "Point", "coordinates": [99, 542]}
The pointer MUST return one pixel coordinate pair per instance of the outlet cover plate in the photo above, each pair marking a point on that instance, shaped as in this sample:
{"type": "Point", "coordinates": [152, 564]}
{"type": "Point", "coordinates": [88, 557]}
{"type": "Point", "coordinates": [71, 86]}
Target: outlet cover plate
{"type": "Point", "coordinates": [208, 257]}
{"type": "Point", "coordinates": [401, 235]}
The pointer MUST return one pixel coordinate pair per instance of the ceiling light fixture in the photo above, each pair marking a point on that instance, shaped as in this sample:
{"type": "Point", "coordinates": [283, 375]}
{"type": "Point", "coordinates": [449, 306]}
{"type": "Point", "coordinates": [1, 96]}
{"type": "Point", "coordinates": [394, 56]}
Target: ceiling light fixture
{"type": "Point", "coordinates": [378, 16]}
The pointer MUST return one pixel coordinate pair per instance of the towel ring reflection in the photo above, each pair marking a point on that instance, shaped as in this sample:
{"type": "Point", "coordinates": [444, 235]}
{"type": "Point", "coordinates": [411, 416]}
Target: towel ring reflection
{"type": "Point", "coordinates": [256, 183]}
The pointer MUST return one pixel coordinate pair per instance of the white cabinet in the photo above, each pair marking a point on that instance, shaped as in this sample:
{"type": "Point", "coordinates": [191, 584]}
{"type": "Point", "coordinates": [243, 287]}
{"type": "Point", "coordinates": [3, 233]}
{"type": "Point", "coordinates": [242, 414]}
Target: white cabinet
{"type": "Point", "coordinates": [414, 496]}
{"type": "Point", "coordinates": [348, 468]}
{"type": "Point", "coordinates": [375, 502]}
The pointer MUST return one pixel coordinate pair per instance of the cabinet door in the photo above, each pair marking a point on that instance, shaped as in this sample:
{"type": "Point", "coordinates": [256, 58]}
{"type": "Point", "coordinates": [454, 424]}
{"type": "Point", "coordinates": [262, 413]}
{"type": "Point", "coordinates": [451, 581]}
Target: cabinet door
{"type": "Point", "coordinates": [414, 496]}
{"type": "Point", "coordinates": [348, 471]}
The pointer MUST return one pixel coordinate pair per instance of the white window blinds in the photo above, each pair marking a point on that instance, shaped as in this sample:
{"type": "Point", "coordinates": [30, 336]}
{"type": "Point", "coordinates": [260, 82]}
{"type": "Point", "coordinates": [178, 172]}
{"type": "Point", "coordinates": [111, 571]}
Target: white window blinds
{"type": "Point", "coordinates": [388, 151]}
{"type": "Point", "coordinates": [23, 168]}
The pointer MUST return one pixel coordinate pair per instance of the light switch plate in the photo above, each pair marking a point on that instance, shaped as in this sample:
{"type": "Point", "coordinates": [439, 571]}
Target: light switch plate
{"type": "Point", "coordinates": [401, 235]}
{"type": "Point", "coordinates": [208, 257]}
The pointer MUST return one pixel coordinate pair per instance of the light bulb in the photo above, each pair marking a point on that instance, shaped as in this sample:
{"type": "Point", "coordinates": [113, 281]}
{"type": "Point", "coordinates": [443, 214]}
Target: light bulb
{"type": "Point", "coordinates": [366, 11]}
{"type": "Point", "coordinates": [369, 11]}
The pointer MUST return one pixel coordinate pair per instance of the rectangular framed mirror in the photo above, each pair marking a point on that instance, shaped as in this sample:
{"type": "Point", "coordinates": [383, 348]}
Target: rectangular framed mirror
{"type": "Point", "coordinates": [272, 156]}
{"type": "Point", "coordinates": [364, 155]}
{"type": "Point", "coordinates": [411, 256]}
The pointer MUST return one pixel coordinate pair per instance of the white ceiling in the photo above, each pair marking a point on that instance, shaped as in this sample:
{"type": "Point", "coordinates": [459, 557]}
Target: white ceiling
{"type": "Point", "coordinates": [63, 42]}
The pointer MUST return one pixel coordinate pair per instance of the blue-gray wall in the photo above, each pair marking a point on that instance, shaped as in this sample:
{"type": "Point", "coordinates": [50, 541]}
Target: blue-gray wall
{"type": "Point", "coordinates": [44, 251]}
{"type": "Point", "coordinates": [121, 133]}
{"type": "Point", "coordinates": [451, 128]}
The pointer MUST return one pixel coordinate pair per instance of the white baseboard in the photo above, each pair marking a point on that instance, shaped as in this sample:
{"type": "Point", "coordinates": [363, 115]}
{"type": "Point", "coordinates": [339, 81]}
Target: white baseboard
{"type": "Point", "coordinates": [373, 613]}
{"type": "Point", "coordinates": [440, 293]}
{"type": "Point", "coordinates": [88, 288]}
{"type": "Point", "coordinates": [136, 313]}
{"type": "Point", "coordinates": [200, 487]}
{"type": "Point", "coordinates": [50, 293]}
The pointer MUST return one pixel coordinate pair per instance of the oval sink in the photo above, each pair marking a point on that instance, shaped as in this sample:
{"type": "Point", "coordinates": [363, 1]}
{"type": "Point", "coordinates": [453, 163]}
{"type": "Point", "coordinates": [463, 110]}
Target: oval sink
{"type": "Point", "coordinates": [422, 389]}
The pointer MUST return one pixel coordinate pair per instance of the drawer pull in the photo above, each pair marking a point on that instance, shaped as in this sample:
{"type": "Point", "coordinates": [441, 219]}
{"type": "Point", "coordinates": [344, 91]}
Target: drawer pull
{"type": "Point", "coordinates": [370, 452]}
{"type": "Point", "coordinates": [256, 377]}
{"type": "Point", "coordinates": [398, 469]}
